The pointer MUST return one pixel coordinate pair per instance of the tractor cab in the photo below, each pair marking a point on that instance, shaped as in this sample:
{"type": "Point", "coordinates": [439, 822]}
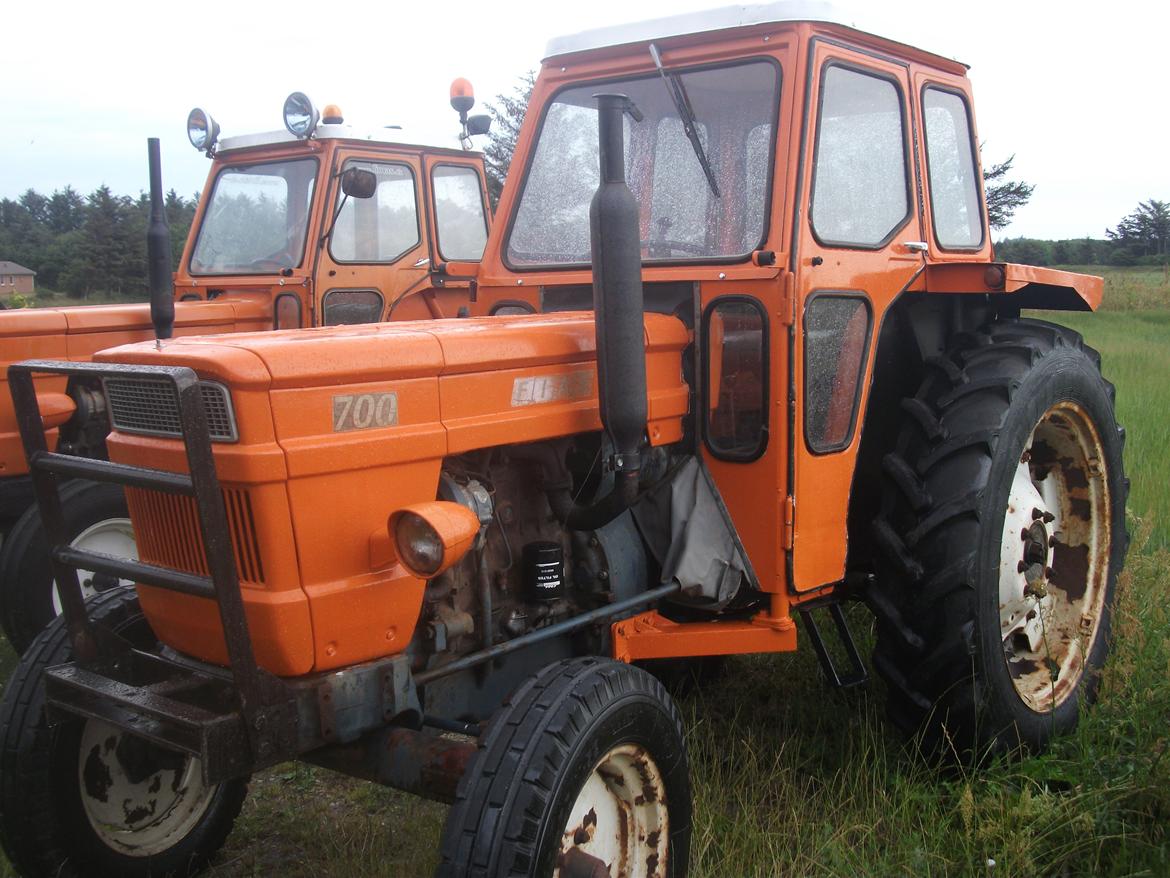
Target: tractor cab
{"type": "Point", "coordinates": [334, 224]}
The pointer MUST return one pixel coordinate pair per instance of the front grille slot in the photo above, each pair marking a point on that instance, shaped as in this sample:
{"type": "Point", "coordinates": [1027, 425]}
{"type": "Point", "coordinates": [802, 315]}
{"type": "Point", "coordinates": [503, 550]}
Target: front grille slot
{"type": "Point", "coordinates": [167, 529]}
{"type": "Point", "coordinates": [150, 406]}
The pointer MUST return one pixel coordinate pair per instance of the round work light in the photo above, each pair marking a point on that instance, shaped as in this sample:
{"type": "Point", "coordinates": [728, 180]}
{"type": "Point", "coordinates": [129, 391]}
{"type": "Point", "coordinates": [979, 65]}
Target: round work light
{"type": "Point", "coordinates": [202, 130]}
{"type": "Point", "coordinates": [300, 116]}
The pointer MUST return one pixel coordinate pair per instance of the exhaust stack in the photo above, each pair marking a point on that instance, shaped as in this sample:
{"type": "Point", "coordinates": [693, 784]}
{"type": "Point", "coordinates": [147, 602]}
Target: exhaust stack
{"type": "Point", "coordinates": [617, 311]}
{"type": "Point", "coordinates": [158, 251]}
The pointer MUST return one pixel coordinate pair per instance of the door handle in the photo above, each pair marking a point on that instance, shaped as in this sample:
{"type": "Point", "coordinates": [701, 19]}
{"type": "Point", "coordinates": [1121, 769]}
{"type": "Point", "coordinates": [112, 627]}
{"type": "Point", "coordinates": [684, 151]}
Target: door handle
{"type": "Point", "coordinates": [916, 246]}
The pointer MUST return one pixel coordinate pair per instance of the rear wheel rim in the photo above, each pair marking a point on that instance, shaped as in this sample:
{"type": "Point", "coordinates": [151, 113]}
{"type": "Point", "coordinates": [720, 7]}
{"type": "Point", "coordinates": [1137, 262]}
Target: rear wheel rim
{"type": "Point", "coordinates": [139, 801]}
{"type": "Point", "coordinates": [112, 536]}
{"type": "Point", "coordinates": [619, 820]}
{"type": "Point", "coordinates": [1054, 557]}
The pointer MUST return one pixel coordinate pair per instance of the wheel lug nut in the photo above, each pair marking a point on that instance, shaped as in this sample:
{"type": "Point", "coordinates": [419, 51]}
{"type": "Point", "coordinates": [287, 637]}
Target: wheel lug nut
{"type": "Point", "coordinates": [1024, 535]}
{"type": "Point", "coordinates": [1049, 518]}
{"type": "Point", "coordinates": [1052, 542]}
{"type": "Point", "coordinates": [1037, 514]}
{"type": "Point", "coordinates": [1021, 567]}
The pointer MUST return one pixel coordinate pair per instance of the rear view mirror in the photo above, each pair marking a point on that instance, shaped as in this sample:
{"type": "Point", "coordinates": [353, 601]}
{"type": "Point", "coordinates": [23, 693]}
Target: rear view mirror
{"type": "Point", "coordinates": [478, 124]}
{"type": "Point", "coordinates": [358, 183]}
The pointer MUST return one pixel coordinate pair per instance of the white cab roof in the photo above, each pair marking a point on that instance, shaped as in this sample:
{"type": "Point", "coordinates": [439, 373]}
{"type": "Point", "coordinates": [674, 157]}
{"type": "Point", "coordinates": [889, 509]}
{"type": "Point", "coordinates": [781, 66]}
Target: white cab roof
{"type": "Point", "coordinates": [698, 22]}
{"type": "Point", "coordinates": [707, 20]}
{"type": "Point", "coordinates": [395, 136]}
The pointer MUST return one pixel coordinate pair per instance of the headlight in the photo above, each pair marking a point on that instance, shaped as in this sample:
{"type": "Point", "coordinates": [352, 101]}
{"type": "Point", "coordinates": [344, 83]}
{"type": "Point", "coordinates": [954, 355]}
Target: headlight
{"type": "Point", "coordinates": [431, 537]}
{"type": "Point", "coordinates": [300, 116]}
{"type": "Point", "coordinates": [202, 130]}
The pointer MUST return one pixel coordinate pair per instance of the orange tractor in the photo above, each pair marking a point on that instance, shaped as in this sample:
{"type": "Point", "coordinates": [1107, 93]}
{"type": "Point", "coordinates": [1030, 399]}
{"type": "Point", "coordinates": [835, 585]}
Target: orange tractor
{"type": "Point", "coordinates": [318, 225]}
{"type": "Point", "coordinates": [775, 368]}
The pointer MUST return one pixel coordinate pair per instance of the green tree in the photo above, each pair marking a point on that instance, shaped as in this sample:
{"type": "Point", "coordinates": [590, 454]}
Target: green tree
{"type": "Point", "coordinates": [507, 115]}
{"type": "Point", "coordinates": [1146, 231]}
{"type": "Point", "coordinates": [1004, 196]}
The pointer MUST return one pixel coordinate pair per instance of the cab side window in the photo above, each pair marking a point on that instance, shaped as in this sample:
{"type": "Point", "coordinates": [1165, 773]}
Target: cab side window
{"type": "Point", "coordinates": [860, 194]}
{"type": "Point", "coordinates": [459, 213]}
{"type": "Point", "coordinates": [736, 379]}
{"type": "Point", "coordinates": [379, 229]}
{"type": "Point", "coordinates": [950, 163]}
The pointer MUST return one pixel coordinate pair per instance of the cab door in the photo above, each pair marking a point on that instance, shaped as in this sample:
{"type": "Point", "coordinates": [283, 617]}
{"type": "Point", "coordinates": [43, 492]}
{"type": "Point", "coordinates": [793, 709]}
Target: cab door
{"type": "Point", "coordinates": [377, 248]}
{"type": "Point", "coordinates": [860, 245]}
{"type": "Point", "coordinates": [458, 223]}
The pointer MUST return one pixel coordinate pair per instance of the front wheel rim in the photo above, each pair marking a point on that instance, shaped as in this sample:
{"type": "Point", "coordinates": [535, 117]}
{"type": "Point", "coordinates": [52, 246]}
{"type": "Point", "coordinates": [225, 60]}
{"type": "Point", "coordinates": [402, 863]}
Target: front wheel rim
{"type": "Point", "coordinates": [619, 820]}
{"type": "Point", "coordinates": [139, 800]}
{"type": "Point", "coordinates": [112, 536]}
{"type": "Point", "coordinates": [1054, 557]}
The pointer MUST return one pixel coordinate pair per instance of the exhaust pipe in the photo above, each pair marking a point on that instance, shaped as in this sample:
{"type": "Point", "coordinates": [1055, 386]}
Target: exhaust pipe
{"type": "Point", "coordinates": [158, 251]}
{"type": "Point", "coordinates": [617, 311]}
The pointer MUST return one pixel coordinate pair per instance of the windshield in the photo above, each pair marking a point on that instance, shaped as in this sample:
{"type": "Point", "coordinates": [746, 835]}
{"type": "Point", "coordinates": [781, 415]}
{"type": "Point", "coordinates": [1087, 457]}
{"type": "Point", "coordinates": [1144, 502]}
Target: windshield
{"type": "Point", "coordinates": [735, 110]}
{"type": "Point", "coordinates": [256, 219]}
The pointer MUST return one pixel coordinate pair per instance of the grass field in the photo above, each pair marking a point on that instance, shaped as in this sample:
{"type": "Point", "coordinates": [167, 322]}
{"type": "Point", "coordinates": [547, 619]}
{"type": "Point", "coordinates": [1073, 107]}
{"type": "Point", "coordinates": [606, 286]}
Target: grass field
{"type": "Point", "coordinates": [792, 778]}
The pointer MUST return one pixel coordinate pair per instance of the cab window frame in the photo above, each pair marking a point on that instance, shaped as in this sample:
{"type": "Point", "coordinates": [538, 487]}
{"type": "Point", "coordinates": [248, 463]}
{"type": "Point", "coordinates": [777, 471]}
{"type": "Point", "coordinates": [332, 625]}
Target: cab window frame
{"type": "Point", "coordinates": [333, 290]}
{"type": "Point", "coordinates": [485, 209]}
{"type": "Point", "coordinates": [820, 450]}
{"type": "Point", "coordinates": [201, 217]}
{"type": "Point", "coordinates": [601, 84]}
{"type": "Point", "coordinates": [976, 168]}
{"type": "Point", "coordinates": [765, 379]}
{"type": "Point", "coordinates": [907, 155]}
{"type": "Point", "coordinates": [335, 214]}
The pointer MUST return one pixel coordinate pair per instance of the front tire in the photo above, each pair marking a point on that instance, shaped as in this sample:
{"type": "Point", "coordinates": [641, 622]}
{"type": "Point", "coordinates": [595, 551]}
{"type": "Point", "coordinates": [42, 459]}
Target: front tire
{"type": "Point", "coordinates": [1003, 532]}
{"type": "Point", "coordinates": [81, 799]}
{"type": "Point", "coordinates": [96, 518]}
{"type": "Point", "coordinates": [583, 767]}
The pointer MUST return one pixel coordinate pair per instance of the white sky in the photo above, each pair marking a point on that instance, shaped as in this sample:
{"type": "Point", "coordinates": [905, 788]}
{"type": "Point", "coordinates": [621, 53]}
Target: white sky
{"type": "Point", "coordinates": [1076, 90]}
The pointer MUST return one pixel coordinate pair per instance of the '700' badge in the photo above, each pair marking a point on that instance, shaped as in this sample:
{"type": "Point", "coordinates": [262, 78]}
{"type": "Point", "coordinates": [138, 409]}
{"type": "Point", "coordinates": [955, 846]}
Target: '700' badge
{"type": "Point", "coordinates": [364, 411]}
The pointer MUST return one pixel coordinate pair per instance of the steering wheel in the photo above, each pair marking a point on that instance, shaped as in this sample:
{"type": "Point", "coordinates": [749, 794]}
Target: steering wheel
{"type": "Point", "coordinates": [655, 246]}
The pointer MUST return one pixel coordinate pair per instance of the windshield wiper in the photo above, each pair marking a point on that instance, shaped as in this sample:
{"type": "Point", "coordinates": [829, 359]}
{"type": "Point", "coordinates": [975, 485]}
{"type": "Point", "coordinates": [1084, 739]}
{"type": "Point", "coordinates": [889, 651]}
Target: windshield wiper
{"type": "Point", "coordinates": [682, 103]}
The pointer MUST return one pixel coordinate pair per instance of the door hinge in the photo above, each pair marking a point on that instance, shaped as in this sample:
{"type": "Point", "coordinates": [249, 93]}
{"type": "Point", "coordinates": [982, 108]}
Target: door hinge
{"type": "Point", "coordinates": [788, 299]}
{"type": "Point", "coordinates": [789, 522]}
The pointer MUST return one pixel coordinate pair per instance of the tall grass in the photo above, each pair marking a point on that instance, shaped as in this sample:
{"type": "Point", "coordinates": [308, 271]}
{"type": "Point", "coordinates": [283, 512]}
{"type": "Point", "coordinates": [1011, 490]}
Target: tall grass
{"type": "Point", "coordinates": [791, 781]}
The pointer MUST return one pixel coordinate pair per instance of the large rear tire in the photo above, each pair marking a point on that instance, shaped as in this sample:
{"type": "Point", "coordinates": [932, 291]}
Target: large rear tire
{"type": "Point", "coordinates": [1002, 533]}
{"type": "Point", "coordinates": [583, 767]}
{"type": "Point", "coordinates": [96, 518]}
{"type": "Point", "coordinates": [81, 799]}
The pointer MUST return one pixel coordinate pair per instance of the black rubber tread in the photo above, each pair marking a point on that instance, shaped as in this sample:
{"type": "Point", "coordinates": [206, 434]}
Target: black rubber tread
{"type": "Point", "coordinates": [955, 445]}
{"type": "Point", "coordinates": [929, 648]}
{"type": "Point", "coordinates": [37, 840]}
{"type": "Point", "coordinates": [891, 617]}
{"type": "Point", "coordinates": [943, 513]}
{"type": "Point", "coordinates": [510, 794]}
{"type": "Point", "coordinates": [992, 383]}
{"type": "Point", "coordinates": [925, 418]}
{"type": "Point", "coordinates": [26, 579]}
{"type": "Point", "coordinates": [907, 481]}
{"type": "Point", "coordinates": [945, 365]}
{"type": "Point", "coordinates": [895, 550]}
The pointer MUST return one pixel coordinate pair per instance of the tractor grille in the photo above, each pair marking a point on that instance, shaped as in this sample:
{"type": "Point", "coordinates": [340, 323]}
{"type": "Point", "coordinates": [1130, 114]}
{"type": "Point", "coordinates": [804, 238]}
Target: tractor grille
{"type": "Point", "coordinates": [168, 534]}
{"type": "Point", "coordinates": [151, 406]}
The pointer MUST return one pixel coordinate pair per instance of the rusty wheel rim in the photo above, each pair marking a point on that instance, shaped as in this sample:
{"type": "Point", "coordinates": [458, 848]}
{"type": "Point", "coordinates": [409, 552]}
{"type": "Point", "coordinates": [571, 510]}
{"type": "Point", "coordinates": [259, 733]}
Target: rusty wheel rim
{"type": "Point", "coordinates": [1054, 557]}
{"type": "Point", "coordinates": [619, 822]}
{"type": "Point", "coordinates": [140, 802]}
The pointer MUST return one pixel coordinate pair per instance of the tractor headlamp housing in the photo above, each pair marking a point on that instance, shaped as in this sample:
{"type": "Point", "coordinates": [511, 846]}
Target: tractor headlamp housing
{"type": "Point", "coordinates": [300, 116]}
{"type": "Point", "coordinates": [202, 130]}
{"type": "Point", "coordinates": [432, 537]}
